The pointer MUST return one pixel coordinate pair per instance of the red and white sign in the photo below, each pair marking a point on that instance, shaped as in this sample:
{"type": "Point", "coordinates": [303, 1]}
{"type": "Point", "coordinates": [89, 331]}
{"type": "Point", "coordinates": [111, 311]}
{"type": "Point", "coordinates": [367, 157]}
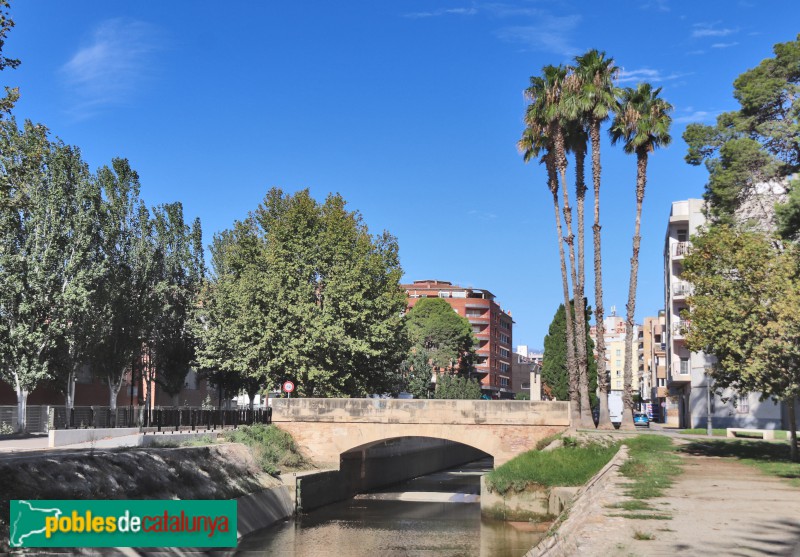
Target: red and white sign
{"type": "Point", "coordinates": [288, 387]}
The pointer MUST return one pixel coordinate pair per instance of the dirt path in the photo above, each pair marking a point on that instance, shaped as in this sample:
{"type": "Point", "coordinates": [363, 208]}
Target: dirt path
{"type": "Point", "coordinates": [718, 507]}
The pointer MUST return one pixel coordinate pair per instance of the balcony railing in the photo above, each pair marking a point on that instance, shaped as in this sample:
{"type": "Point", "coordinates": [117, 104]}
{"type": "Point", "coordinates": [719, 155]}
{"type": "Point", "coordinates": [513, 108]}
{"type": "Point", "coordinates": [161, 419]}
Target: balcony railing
{"type": "Point", "coordinates": [681, 249]}
{"type": "Point", "coordinates": [680, 328]}
{"type": "Point", "coordinates": [681, 289]}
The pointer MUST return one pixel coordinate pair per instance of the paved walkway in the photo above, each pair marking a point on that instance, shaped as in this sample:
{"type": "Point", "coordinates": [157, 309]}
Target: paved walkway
{"type": "Point", "coordinates": [719, 507]}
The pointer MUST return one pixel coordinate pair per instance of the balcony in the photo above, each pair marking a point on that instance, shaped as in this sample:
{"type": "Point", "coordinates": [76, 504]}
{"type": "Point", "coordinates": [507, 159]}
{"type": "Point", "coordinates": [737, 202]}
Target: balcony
{"type": "Point", "coordinates": [680, 290]}
{"type": "Point", "coordinates": [681, 249]}
{"type": "Point", "coordinates": [679, 329]}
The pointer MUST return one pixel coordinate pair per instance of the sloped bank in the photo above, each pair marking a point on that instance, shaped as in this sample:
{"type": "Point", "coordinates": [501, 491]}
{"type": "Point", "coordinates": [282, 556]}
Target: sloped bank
{"type": "Point", "coordinates": [223, 471]}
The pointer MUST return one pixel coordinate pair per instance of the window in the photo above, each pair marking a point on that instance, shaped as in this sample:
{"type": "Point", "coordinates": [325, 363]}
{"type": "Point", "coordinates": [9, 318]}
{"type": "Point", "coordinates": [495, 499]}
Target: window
{"type": "Point", "coordinates": [619, 363]}
{"type": "Point", "coordinates": [505, 338]}
{"type": "Point", "coordinates": [619, 353]}
{"type": "Point", "coordinates": [503, 368]}
{"type": "Point", "coordinates": [504, 352]}
{"type": "Point", "coordinates": [618, 373]}
{"type": "Point", "coordinates": [684, 369]}
{"type": "Point", "coordinates": [662, 382]}
{"type": "Point", "coordinates": [682, 234]}
{"type": "Point", "coordinates": [504, 382]}
{"type": "Point", "coordinates": [474, 312]}
{"type": "Point", "coordinates": [444, 294]}
{"type": "Point", "coordinates": [743, 404]}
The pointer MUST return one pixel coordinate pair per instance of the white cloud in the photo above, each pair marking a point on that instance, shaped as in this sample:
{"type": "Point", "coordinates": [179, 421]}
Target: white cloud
{"type": "Point", "coordinates": [109, 69]}
{"type": "Point", "coordinates": [659, 5]}
{"type": "Point", "coordinates": [723, 45]}
{"type": "Point", "coordinates": [710, 30]}
{"type": "Point", "coordinates": [647, 74]}
{"type": "Point", "coordinates": [695, 116]}
{"type": "Point", "coordinates": [481, 215]}
{"type": "Point", "coordinates": [551, 34]}
{"type": "Point", "coordinates": [443, 11]}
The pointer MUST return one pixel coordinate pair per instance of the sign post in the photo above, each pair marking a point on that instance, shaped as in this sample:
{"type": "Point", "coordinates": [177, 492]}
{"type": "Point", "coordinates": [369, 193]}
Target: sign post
{"type": "Point", "coordinates": [288, 387]}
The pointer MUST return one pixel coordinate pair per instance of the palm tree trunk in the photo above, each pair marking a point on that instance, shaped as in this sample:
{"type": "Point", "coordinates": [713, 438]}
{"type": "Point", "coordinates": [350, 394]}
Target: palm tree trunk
{"type": "Point", "coordinates": [574, 405]}
{"type": "Point", "coordinates": [627, 397]}
{"type": "Point", "coordinates": [599, 312]}
{"type": "Point", "coordinates": [579, 351]}
{"type": "Point", "coordinates": [579, 294]}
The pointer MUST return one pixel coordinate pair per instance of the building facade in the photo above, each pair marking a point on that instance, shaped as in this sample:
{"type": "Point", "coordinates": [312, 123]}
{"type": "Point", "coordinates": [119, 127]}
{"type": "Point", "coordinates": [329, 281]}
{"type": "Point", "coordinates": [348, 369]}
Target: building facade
{"type": "Point", "coordinates": [654, 367]}
{"type": "Point", "coordinates": [491, 326]}
{"type": "Point", "coordinates": [615, 329]}
{"type": "Point", "coordinates": [692, 397]}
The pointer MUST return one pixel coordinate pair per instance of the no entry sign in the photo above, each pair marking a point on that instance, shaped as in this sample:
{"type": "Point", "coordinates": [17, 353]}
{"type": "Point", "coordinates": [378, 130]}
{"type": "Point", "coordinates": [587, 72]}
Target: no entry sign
{"type": "Point", "coordinates": [288, 387]}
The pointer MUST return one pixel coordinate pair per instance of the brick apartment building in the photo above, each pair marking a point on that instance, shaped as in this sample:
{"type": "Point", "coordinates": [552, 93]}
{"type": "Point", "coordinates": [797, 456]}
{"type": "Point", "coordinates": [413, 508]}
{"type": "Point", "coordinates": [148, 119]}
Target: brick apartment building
{"type": "Point", "coordinates": [491, 326]}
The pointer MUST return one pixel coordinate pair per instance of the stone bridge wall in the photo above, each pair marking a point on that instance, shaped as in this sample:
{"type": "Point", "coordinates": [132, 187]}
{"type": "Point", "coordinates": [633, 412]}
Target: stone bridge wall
{"type": "Point", "coordinates": [326, 428]}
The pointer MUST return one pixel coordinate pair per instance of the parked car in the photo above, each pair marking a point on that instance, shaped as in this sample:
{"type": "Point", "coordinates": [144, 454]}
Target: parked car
{"type": "Point", "coordinates": [640, 419]}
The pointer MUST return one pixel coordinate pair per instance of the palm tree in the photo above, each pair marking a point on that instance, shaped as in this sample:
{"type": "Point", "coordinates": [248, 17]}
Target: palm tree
{"type": "Point", "coordinates": [542, 125]}
{"type": "Point", "coordinates": [575, 141]}
{"type": "Point", "coordinates": [595, 99]}
{"type": "Point", "coordinates": [642, 122]}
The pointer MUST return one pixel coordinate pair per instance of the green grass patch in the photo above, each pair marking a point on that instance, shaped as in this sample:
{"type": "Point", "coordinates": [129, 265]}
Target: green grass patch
{"type": "Point", "coordinates": [199, 441]}
{"type": "Point", "coordinates": [771, 458]}
{"type": "Point", "coordinates": [651, 467]}
{"type": "Point", "coordinates": [704, 431]}
{"type": "Point", "coordinates": [273, 448]}
{"type": "Point", "coordinates": [566, 466]}
{"type": "Point", "coordinates": [644, 516]}
{"type": "Point", "coordinates": [632, 505]}
{"type": "Point", "coordinates": [637, 535]}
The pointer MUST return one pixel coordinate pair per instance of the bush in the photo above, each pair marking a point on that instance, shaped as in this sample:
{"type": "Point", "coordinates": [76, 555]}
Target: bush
{"type": "Point", "coordinates": [272, 448]}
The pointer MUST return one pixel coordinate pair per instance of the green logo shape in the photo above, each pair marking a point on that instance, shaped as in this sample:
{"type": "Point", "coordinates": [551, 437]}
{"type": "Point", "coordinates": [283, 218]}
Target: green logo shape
{"type": "Point", "coordinates": [122, 523]}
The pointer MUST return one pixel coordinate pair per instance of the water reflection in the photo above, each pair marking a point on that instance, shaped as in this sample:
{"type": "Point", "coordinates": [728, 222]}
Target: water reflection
{"type": "Point", "coordinates": [431, 515]}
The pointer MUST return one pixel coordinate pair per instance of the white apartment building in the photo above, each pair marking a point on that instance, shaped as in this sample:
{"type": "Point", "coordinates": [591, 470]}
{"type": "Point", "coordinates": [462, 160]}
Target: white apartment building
{"type": "Point", "coordinates": [615, 328]}
{"type": "Point", "coordinates": [689, 402]}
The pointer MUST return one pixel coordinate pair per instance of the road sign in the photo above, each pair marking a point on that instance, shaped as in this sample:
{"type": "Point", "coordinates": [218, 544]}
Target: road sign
{"type": "Point", "coordinates": [288, 387]}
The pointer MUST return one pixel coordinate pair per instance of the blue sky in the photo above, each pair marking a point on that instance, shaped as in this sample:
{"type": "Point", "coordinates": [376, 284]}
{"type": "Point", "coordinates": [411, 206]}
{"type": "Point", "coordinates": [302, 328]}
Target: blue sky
{"type": "Point", "coordinates": [410, 109]}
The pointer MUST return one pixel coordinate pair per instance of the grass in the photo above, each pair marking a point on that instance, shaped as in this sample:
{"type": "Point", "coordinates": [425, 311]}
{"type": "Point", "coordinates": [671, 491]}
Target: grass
{"type": "Point", "coordinates": [637, 535]}
{"type": "Point", "coordinates": [566, 466]}
{"type": "Point", "coordinates": [779, 434]}
{"type": "Point", "coordinates": [704, 431]}
{"type": "Point", "coordinates": [272, 448]}
{"type": "Point", "coordinates": [770, 458]}
{"type": "Point", "coordinates": [651, 466]}
{"type": "Point", "coordinates": [632, 505]}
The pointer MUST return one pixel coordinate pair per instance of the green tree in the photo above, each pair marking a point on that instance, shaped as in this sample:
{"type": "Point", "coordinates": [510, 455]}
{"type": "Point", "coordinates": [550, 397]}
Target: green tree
{"type": "Point", "coordinates": [642, 122]}
{"type": "Point", "coordinates": [435, 328]}
{"type": "Point", "coordinates": [6, 24]}
{"type": "Point", "coordinates": [554, 369]}
{"type": "Point", "coordinates": [595, 100]}
{"type": "Point", "coordinates": [457, 387]}
{"type": "Point", "coordinates": [320, 298]}
{"type": "Point", "coordinates": [744, 311]}
{"type": "Point", "coordinates": [416, 373]}
{"type": "Point", "coordinates": [756, 144]}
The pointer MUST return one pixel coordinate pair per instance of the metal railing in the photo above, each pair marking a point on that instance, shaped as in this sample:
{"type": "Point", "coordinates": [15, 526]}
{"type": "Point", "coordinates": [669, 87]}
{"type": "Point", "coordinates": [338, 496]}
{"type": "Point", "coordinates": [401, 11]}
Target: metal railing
{"type": "Point", "coordinates": [161, 418]}
{"type": "Point", "coordinates": [682, 249]}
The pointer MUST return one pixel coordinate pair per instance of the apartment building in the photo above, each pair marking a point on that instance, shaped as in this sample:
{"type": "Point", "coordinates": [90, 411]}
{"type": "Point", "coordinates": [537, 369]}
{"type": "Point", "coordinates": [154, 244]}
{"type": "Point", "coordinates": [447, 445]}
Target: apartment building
{"type": "Point", "coordinates": [691, 396]}
{"type": "Point", "coordinates": [653, 367]}
{"type": "Point", "coordinates": [615, 329]}
{"type": "Point", "coordinates": [491, 326]}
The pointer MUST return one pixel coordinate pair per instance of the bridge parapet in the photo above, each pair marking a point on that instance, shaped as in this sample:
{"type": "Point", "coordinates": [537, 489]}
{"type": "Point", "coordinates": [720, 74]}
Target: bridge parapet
{"type": "Point", "coordinates": [418, 411]}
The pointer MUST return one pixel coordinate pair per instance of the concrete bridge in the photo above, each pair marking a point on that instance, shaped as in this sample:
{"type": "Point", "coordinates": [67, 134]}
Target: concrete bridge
{"type": "Point", "coordinates": [325, 428]}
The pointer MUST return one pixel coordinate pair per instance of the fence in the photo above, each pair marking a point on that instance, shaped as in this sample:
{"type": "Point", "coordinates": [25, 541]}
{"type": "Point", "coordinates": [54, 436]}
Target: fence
{"type": "Point", "coordinates": [41, 419]}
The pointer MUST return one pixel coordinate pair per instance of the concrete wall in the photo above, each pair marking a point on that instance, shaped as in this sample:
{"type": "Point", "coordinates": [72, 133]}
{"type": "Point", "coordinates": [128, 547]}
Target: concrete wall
{"type": "Point", "coordinates": [259, 510]}
{"type": "Point", "coordinates": [378, 466]}
{"type": "Point", "coordinates": [61, 437]}
{"type": "Point", "coordinates": [537, 504]}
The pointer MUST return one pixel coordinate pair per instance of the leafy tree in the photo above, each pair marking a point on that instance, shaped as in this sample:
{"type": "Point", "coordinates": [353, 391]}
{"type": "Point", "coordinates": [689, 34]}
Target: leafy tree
{"type": "Point", "coordinates": [26, 287]}
{"type": "Point", "coordinates": [456, 387]}
{"type": "Point", "coordinates": [744, 311]}
{"type": "Point", "coordinates": [320, 299]}
{"type": "Point", "coordinates": [522, 396]}
{"type": "Point", "coordinates": [642, 122]}
{"type": "Point", "coordinates": [446, 337]}
{"type": "Point", "coordinates": [417, 372]}
{"type": "Point", "coordinates": [756, 144]}
{"type": "Point", "coordinates": [121, 296]}
{"type": "Point", "coordinates": [554, 371]}
{"type": "Point", "coordinates": [6, 24]}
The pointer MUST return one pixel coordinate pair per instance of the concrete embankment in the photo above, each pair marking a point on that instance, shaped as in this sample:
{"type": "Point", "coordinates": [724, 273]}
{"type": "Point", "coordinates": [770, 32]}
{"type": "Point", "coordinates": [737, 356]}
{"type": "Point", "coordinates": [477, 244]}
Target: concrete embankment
{"type": "Point", "coordinates": [224, 471]}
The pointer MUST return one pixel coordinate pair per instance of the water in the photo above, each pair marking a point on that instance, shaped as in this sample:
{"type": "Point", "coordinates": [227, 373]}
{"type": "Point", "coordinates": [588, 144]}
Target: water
{"type": "Point", "coordinates": [437, 514]}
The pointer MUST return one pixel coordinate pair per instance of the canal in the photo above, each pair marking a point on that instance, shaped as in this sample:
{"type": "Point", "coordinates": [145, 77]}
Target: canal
{"type": "Point", "coordinates": [437, 514]}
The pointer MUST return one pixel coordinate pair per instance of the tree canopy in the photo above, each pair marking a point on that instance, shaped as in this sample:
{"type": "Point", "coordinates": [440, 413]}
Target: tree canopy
{"type": "Point", "coordinates": [554, 362]}
{"type": "Point", "coordinates": [436, 328]}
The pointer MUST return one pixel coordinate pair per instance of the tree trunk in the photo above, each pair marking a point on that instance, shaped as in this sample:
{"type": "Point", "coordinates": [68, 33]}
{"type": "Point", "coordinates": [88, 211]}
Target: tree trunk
{"type": "Point", "coordinates": [793, 431]}
{"type": "Point", "coordinates": [579, 294]}
{"type": "Point", "coordinates": [599, 312]}
{"type": "Point", "coordinates": [22, 405]}
{"type": "Point", "coordinates": [573, 392]}
{"type": "Point", "coordinates": [627, 397]}
{"type": "Point", "coordinates": [69, 397]}
{"type": "Point", "coordinates": [573, 348]}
